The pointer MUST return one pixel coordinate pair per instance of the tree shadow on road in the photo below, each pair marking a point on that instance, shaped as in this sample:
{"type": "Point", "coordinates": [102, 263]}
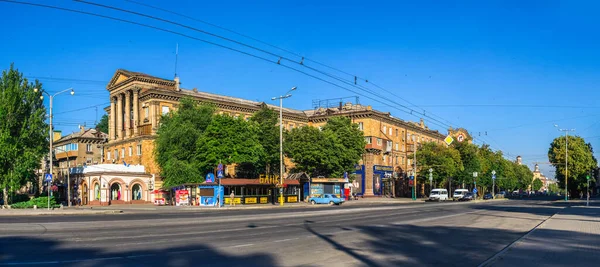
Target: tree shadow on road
{"type": "Point", "coordinates": [43, 252]}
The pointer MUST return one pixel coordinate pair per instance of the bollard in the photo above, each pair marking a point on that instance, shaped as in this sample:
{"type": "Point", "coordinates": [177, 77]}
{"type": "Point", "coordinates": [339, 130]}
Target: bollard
{"type": "Point", "coordinates": [35, 207]}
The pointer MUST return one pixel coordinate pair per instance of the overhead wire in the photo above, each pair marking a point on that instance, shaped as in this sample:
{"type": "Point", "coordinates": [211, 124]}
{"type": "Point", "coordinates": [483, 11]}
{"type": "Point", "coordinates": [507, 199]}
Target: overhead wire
{"type": "Point", "coordinates": [258, 49]}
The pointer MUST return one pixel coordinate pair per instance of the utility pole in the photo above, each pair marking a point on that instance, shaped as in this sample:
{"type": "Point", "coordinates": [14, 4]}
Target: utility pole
{"type": "Point", "coordinates": [566, 159]}
{"type": "Point", "coordinates": [493, 182]}
{"type": "Point", "coordinates": [588, 191]}
{"type": "Point", "coordinates": [52, 131]}
{"type": "Point", "coordinates": [281, 141]}
{"type": "Point", "coordinates": [430, 179]}
{"type": "Point", "coordinates": [414, 194]}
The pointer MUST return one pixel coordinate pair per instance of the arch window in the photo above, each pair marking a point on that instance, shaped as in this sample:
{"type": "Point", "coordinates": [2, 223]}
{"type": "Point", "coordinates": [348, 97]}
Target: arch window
{"type": "Point", "coordinates": [136, 191]}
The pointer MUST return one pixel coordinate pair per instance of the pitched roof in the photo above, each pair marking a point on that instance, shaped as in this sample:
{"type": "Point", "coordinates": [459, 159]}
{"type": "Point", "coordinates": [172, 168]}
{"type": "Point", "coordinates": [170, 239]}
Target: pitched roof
{"type": "Point", "coordinates": [87, 134]}
{"type": "Point", "coordinates": [132, 75]}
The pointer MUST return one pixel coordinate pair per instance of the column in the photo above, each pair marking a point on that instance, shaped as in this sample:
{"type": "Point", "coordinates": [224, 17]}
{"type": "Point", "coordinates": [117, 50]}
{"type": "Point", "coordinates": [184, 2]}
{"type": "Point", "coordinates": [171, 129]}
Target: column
{"type": "Point", "coordinates": [127, 113]}
{"type": "Point", "coordinates": [369, 163]}
{"type": "Point", "coordinates": [111, 126]}
{"type": "Point", "coordinates": [136, 116]}
{"type": "Point", "coordinates": [120, 116]}
{"type": "Point", "coordinates": [152, 108]}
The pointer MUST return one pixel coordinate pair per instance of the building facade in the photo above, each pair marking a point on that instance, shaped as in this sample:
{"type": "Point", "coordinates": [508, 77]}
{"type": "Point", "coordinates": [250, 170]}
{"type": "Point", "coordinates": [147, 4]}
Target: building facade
{"type": "Point", "coordinates": [138, 100]}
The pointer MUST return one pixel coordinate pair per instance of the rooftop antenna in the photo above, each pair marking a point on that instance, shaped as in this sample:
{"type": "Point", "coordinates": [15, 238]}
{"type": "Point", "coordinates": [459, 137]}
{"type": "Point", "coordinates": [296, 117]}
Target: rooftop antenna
{"type": "Point", "coordinates": [176, 55]}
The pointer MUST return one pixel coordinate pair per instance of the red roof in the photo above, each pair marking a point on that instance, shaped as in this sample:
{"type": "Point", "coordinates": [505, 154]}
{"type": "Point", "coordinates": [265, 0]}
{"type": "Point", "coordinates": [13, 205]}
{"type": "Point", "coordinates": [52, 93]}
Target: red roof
{"type": "Point", "coordinates": [240, 181]}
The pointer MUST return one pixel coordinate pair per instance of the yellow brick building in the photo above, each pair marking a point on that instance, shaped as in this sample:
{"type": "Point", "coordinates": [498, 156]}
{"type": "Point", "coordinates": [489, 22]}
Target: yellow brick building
{"type": "Point", "coordinates": [138, 100]}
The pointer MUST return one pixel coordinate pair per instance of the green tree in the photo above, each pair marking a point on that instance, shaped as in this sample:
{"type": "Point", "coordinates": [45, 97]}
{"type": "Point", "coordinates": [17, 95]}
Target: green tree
{"type": "Point", "coordinates": [267, 121]}
{"type": "Point", "coordinates": [176, 148]}
{"type": "Point", "coordinates": [580, 161]}
{"type": "Point", "coordinates": [23, 131]}
{"type": "Point", "coordinates": [537, 184]}
{"type": "Point", "coordinates": [470, 159]}
{"type": "Point", "coordinates": [445, 162]}
{"type": "Point", "coordinates": [103, 124]}
{"type": "Point", "coordinates": [507, 175]}
{"type": "Point", "coordinates": [524, 177]}
{"type": "Point", "coordinates": [328, 152]}
{"type": "Point", "coordinates": [553, 188]}
{"type": "Point", "coordinates": [229, 140]}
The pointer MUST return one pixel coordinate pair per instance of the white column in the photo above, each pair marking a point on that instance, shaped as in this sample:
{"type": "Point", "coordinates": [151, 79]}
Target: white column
{"type": "Point", "coordinates": [120, 116]}
{"type": "Point", "coordinates": [136, 116]}
{"type": "Point", "coordinates": [111, 126]}
{"type": "Point", "coordinates": [127, 114]}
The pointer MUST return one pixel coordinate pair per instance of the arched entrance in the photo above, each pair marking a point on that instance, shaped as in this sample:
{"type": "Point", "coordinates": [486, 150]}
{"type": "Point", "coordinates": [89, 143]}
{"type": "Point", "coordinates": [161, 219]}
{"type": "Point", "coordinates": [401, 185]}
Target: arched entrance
{"type": "Point", "coordinates": [136, 192]}
{"type": "Point", "coordinates": [115, 192]}
{"type": "Point", "coordinates": [97, 191]}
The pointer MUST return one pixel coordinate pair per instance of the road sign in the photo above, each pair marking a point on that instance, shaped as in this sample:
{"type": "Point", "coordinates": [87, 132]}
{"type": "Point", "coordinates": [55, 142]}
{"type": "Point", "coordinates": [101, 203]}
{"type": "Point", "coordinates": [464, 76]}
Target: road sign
{"type": "Point", "coordinates": [210, 178]}
{"type": "Point", "coordinates": [475, 174]}
{"type": "Point", "coordinates": [430, 177]}
{"type": "Point", "coordinates": [475, 190]}
{"type": "Point", "coordinates": [411, 177]}
{"type": "Point", "coordinates": [48, 177]}
{"type": "Point", "coordinates": [430, 170]}
{"type": "Point", "coordinates": [220, 167]}
{"type": "Point", "coordinates": [460, 138]}
{"type": "Point", "coordinates": [493, 172]}
{"type": "Point", "coordinates": [493, 177]}
{"type": "Point", "coordinates": [220, 174]}
{"type": "Point", "coordinates": [448, 140]}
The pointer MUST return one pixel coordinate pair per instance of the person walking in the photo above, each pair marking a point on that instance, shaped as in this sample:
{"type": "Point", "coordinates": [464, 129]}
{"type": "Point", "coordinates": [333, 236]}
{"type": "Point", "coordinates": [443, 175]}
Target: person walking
{"type": "Point", "coordinates": [232, 197]}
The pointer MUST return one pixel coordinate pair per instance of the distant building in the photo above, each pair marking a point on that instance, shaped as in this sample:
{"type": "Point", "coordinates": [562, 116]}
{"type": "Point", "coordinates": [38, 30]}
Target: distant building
{"type": "Point", "coordinates": [538, 175]}
{"type": "Point", "coordinates": [519, 160]}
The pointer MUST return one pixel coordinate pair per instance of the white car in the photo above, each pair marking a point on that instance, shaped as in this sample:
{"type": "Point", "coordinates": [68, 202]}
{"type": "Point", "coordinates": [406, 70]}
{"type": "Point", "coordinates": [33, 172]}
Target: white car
{"type": "Point", "coordinates": [459, 193]}
{"type": "Point", "coordinates": [438, 194]}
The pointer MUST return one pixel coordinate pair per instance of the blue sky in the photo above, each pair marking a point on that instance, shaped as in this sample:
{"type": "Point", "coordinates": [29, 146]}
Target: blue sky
{"type": "Point", "coordinates": [538, 62]}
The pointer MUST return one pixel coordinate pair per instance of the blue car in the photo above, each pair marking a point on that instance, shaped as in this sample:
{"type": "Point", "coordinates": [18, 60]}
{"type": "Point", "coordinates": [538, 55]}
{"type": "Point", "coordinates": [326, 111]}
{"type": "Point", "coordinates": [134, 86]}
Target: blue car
{"type": "Point", "coordinates": [326, 199]}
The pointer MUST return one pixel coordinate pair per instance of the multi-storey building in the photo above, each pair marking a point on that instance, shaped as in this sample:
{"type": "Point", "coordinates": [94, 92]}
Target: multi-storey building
{"type": "Point", "coordinates": [138, 100]}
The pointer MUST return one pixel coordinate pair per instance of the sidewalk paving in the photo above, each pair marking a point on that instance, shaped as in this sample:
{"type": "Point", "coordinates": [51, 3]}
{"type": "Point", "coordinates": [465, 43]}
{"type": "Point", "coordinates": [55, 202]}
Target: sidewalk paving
{"type": "Point", "coordinates": [568, 238]}
{"type": "Point", "coordinates": [39, 212]}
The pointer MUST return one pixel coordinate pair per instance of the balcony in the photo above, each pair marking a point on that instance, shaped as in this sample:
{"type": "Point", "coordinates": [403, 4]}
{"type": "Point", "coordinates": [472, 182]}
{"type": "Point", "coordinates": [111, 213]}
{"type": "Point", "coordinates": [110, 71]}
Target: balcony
{"type": "Point", "coordinates": [145, 129]}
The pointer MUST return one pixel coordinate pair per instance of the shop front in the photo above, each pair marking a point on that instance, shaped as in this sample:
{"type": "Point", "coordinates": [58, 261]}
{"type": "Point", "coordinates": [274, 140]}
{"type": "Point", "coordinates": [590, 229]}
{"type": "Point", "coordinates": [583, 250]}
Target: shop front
{"type": "Point", "coordinates": [254, 191]}
{"type": "Point", "coordinates": [320, 186]}
{"type": "Point", "coordinates": [383, 180]}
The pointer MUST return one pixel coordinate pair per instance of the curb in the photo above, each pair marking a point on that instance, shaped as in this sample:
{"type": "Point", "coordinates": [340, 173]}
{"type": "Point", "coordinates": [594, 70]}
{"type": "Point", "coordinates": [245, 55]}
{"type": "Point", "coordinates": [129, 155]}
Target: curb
{"type": "Point", "coordinates": [63, 213]}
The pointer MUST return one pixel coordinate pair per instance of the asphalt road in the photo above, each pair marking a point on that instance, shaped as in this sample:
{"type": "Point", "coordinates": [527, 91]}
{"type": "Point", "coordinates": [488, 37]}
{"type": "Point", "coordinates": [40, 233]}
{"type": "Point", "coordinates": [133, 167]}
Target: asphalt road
{"type": "Point", "coordinates": [427, 234]}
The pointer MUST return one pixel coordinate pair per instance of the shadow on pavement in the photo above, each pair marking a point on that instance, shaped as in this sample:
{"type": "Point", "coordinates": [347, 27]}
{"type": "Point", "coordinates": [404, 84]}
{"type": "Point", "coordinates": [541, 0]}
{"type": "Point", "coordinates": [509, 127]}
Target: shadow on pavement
{"type": "Point", "coordinates": [46, 252]}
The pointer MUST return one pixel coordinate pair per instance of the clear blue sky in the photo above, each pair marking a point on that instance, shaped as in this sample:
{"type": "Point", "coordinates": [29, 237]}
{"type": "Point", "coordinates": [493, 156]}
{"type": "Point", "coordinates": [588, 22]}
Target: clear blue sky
{"type": "Point", "coordinates": [505, 53]}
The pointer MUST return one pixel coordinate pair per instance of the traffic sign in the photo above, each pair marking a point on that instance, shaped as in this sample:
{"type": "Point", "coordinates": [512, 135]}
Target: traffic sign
{"type": "Point", "coordinates": [493, 176]}
{"type": "Point", "coordinates": [411, 177]}
{"type": "Point", "coordinates": [430, 170]}
{"type": "Point", "coordinates": [220, 174]}
{"type": "Point", "coordinates": [474, 174]}
{"type": "Point", "coordinates": [587, 177]}
{"type": "Point", "coordinates": [220, 167]}
{"type": "Point", "coordinates": [430, 177]}
{"type": "Point", "coordinates": [493, 172]}
{"type": "Point", "coordinates": [460, 138]}
{"type": "Point", "coordinates": [210, 178]}
{"type": "Point", "coordinates": [48, 177]}
{"type": "Point", "coordinates": [475, 190]}
{"type": "Point", "coordinates": [448, 140]}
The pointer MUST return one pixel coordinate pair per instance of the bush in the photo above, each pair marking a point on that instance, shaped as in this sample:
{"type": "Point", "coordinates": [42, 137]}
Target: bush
{"type": "Point", "coordinates": [41, 202]}
{"type": "Point", "coordinates": [19, 198]}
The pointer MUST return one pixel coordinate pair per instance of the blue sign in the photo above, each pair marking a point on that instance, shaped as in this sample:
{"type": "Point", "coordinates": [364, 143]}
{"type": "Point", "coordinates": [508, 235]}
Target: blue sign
{"type": "Point", "coordinates": [220, 174]}
{"type": "Point", "coordinates": [48, 177]}
{"type": "Point", "coordinates": [475, 190]}
{"type": "Point", "coordinates": [412, 177]}
{"type": "Point", "coordinates": [493, 176]}
{"type": "Point", "coordinates": [210, 178]}
{"type": "Point", "coordinates": [220, 167]}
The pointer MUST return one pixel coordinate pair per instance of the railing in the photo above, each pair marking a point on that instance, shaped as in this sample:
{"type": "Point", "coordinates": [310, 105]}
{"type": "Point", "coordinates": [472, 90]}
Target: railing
{"type": "Point", "coordinates": [145, 129]}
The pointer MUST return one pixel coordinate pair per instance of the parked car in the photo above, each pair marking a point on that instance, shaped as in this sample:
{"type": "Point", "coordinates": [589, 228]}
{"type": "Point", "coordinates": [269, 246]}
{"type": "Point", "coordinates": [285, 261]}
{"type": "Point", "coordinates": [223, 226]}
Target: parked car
{"type": "Point", "coordinates": [467, 197]}
{"type": "Point", "coordinates": [326, 199]}
{"type": "Point", "coordinates": [488, 196]}
{"type": "Point", "coordinates": [438, 194]}
{"type": "Point", "coordinates": [459, 193]}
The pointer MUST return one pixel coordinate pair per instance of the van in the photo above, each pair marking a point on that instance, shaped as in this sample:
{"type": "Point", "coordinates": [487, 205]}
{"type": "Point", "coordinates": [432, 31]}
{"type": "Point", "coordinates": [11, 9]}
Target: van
{"type": "Point", "coordinates": [459, 193]}
{"type": "Point", "coordinates": [438, 194]}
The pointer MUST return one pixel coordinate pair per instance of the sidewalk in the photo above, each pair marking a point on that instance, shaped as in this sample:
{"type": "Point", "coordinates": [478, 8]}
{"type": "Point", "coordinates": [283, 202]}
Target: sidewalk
{"type": "Point", "coordinates": [37, 212]}
{"type": "Point", "coordinates": [569, 238]}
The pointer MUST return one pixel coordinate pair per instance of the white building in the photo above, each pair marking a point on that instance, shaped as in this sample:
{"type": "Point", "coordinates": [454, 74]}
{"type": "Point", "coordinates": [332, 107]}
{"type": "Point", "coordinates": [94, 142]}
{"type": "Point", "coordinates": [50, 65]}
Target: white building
{"type": "Point", "coordinates": [107, 184]}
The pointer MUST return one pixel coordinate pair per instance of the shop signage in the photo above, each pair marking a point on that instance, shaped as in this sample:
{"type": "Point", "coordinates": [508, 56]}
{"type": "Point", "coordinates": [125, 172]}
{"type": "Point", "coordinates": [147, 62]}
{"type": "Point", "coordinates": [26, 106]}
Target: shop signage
{"type": "Point", "coordinates": [250, 200]}
{"type": "Point", "coordinates": [382, 168]}
{"type": "Point", "coordinates": [328, 180]}
{"type": "Point", "coordinates": [264, 200]}
{"type": "Point", "coordinates": [292, 199]}
{"type": "Point", "coordinates": [268, 179]}
{"type": "Point", "coordinates": [210, 178]}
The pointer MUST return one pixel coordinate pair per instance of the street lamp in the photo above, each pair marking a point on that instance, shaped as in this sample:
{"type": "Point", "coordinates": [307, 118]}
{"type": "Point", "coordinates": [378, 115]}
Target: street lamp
{"type": "Point", "coordinates": [281, 140]}
{"type": "Point", "coordinates": [414, 194]}
{"type": "Point", "coordinates": [51, 137]}
{"type": "Point", "coordinates": [566, 159]}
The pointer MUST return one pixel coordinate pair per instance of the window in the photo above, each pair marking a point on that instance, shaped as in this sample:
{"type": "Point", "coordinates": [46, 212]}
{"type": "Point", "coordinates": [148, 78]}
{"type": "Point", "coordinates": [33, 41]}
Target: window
{"type": "Point", "coordinates": [390, 132]}
{"type": "Point", "coordinates": [402, 135]}
{"type": "Point", "coordinates": [165, 110]}
{"type": "Point", "coordinates": [360, 126]}
{"type": "Point", "coordinates": [396, 160]}
{"type": "Point", "coordinates": [237, 115]}
{"type": "Point", "coordinates": [291, 126]}
{"type": "Point", "coordinates": [88, 148]}
{"type": "Point", "coordinates": [384, 158]}
{"type": "Point", "coordinates": [139, 150]}
{"type": "Point", "coordinates": [378, 141]}
{"type": "Point", "coordinates": [116, 154]}
{"type": "Point", "coordinates": [368, 140]}
{"type": "Point", "coordinates": [108, 155]}
{"type": "Point", "coordinates": [130, 151]}
{"type": "Point", "coordinates": [122, 152]}
{"type": "Point", "coordinates": [396, 131]}
{"type": "Point", "coordinates": [88, 161]}
{"type": "Point", "coordinates": [396, 146]}
{"type": "Point", "coordinates": [136, 192]}
{"type": "Point", "coordinates": [384, 129]}
{"type": "Point", "coordinates": [146, 112]}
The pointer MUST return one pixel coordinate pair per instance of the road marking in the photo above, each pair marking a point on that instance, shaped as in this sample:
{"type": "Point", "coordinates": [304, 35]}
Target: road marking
{"type": "Point", "coordinates": [498, 255]}
{"type": "Point", "coordinates": [31, 263]}
{"type": "Point", "coordinates": [284, 240]}
{"type": "Point", "coordinates": [243, 245]}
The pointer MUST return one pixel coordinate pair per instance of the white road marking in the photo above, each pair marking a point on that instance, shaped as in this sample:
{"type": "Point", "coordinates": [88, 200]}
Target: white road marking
{"type": "Point", "coordinates": [284, 240]}
{"type": "Point", "coordinates": [243, 245]}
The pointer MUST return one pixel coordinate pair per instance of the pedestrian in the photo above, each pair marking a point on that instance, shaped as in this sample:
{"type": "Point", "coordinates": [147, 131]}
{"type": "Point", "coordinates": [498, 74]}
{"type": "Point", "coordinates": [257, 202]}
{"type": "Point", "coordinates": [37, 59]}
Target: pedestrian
{"type": "Point", "coordinates": [232, 197]}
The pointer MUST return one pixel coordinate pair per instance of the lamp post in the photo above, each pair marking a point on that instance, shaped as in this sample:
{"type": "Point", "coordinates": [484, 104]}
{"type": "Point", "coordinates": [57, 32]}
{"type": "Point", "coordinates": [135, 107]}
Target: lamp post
{"type": "Point", "coordinates": [281, 141]}
{"type": "Point", "coordinates": [566, 159]}
{"type": "Point", "coordinates": [414, 194]}
{"type": "Point", "coordinates": [51, 135]}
